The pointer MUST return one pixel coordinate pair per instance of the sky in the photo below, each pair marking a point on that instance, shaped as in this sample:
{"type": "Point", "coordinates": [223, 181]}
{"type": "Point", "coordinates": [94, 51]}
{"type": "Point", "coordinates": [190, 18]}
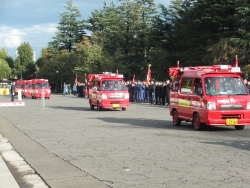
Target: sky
{"type": "Point", "coordinates": [35, 21]}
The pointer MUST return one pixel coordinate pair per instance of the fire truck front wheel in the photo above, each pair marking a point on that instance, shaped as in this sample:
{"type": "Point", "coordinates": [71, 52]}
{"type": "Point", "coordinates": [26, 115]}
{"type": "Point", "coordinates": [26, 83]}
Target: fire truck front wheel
{"type": "Point", "coordinates": [99, 107]}
{"type": "Point", "coordinates": [91, 105]}
{"type": "Point", "coordinates": [176, 119]}
{"type": "Point", "coordinates": [239, 127]}
{"type": "Point", "coordinates": [124, 109]}
{"type": "Point", "coordinates": [197, 123]}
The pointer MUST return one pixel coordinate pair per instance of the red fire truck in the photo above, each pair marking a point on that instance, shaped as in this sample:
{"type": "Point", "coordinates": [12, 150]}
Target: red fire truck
{"type": "Point", "coordinates": [39, 86]}
{"type": "Point", "coordinates": [108, 90]}
{"type": "Point", "coordinates": [27, 86]}
{"type": "Point", "coordinates": [209, 95]}
{"type": "Point", "coordinates": [18, 86]}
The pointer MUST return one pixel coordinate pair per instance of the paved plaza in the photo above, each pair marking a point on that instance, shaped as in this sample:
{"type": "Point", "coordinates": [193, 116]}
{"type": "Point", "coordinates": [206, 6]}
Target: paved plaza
{"type": "Point", "coordinates": [69, 145]}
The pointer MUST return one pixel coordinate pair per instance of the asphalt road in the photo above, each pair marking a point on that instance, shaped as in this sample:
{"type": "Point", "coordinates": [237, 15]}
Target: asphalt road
{"type": "Point", "coordinates": [70, 145]}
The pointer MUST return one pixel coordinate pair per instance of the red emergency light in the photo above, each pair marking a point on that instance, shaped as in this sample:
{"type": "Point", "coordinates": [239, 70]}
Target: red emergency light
{"type": "Point", "coordinates": [222, 68]}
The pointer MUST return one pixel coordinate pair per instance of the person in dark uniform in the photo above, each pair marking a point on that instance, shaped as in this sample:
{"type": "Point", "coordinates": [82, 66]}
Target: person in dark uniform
{"type": "Point", "coordinates": [160, 93]}
{"type": "Point", "coordinates": [131, 88]}
{"type": "Point", "coordinates": [152, 92]}
{"type": "Point", "coordinates": [12, 91]}
{"type": "Point", "coordinates": [168, 92]}
{"type": "Point", "coordinates": [83, 90]}
{"type": "Point", "coordinates": [156, 93]}
{"type": "Point", "coordinates": [143, 91]}
{"type": "Point", "coordinates": [164, 93]}
{"type": "Point", "coordinates": [139, 85]}
{"type": "Point", "coordinates": [147, 97]}
{"type": "Point", "coordinates": [135, 92]}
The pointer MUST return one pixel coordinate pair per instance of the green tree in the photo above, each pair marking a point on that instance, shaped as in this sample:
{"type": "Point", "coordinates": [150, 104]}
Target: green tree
{"type": "Point", "coordinates": [5, 70]}
{"type": "Point", "coordinates": [200, 25]}
{"type": "Point", "coordinates": [241, 23]}
{"type": "Point", "coordinates": [70, 30]}
{"type": "Point", "coordinates": [4, 55]}
{"type": "Point", "coordinates": [24, 63]}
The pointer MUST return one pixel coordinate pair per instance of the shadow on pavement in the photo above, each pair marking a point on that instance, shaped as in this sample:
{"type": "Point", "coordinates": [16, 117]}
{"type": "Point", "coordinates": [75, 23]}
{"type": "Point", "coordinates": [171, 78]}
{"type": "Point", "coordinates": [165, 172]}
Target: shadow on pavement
{"type": "Point", "coordinates": [163, 124]}
{"type": "Point", "coordinates": [236, 144]}
{"type": "Point", "coordinates": [70, 108]}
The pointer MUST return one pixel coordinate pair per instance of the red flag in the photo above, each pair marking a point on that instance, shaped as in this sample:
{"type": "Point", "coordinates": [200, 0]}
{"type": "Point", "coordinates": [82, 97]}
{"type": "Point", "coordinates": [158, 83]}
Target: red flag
{"type": "Point", "coordinates": [148, 76]}
{"type": "Point", "coordinates": [76, 79]}
{"type": "Point", "coordinates": [133, 81]}
{"type": "Point", "coordinates": [236, 61]}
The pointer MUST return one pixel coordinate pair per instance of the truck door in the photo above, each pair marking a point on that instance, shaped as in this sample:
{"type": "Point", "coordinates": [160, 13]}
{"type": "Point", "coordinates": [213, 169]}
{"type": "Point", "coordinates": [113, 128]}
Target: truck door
{"type": "Point", "coordinates": [184, 97]}
{"type": "Point", "coordinates": [196, 99]}
{"type": "Point", "coordinates": [94, 94]}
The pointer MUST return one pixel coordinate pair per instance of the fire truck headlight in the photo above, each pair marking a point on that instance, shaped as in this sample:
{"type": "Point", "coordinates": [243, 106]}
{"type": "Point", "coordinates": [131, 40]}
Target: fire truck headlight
{"type": "Point", "coordinates": [48, 91]}
{"type": "Point", "coordinates": [248, 106]}
{"type": "Point", "coordinates": [126, 96]}
{"type": "Point", "coordinates": [211, 106]}
{"type": "Point", "coordinates": [25, 90]}
{"type": "Point", "coordinates": [104, 96]}
{"type": "Point", "coordinates": [36, 91]}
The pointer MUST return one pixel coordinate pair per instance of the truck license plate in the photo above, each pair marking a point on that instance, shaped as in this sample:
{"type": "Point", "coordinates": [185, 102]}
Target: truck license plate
{"type": "Point", "coordinates": [116, 105]}
{"type": "Point", "coordinates": [230, 122]}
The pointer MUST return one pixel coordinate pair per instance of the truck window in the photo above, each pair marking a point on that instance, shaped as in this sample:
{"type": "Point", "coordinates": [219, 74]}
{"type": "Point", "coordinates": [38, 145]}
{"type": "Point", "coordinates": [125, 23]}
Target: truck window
{"type": "Point", "coordinates": [175, 86]}
{"type": "Point", "coordinates": [111, 85]}
{"type": "Point", "coordinates": [197, 86]}
{"type": "Point", "coordinates": [186, 85]}
{"type": "Point", "coordinates": [225, 86]}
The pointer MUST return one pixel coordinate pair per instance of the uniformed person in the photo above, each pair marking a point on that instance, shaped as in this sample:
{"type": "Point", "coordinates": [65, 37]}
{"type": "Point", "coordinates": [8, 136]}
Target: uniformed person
{"type": "Point", "coordinates": [168, 92]}
{"type": "Point", "coordinates": [12, 91]}
{"type": "Point", "coordinates": [152, 92]}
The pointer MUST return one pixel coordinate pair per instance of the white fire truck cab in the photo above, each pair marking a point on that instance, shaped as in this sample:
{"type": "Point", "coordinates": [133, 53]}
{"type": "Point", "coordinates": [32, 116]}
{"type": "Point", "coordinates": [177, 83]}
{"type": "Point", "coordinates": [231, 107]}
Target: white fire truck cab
{"type": "Point", "coordinates": [209, 95]}
{"type": "Point", "coordinates": [108, 90]}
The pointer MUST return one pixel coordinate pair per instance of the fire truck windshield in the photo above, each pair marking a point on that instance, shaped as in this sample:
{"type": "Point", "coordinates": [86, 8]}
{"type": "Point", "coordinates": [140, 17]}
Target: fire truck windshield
{"type": "Point", "coordinates": [42, 85]}
{"type": "Point", "coordinates": [224, 86]}
{"type": "Point", "coordinates": [28, 86]}
{"type": "Point", "coordinates": [111, 85]}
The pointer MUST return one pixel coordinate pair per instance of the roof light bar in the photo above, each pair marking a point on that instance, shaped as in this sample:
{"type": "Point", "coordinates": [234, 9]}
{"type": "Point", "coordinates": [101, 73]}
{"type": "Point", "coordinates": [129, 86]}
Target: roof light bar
{"type": "Point", "coordinates": [222, 67]}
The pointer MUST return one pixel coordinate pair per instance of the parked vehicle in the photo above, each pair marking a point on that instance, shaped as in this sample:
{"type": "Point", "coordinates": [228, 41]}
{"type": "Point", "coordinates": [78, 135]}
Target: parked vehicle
{"type": "Point", "coordinates": [27, 86]}
{"type": "Point", "coordinates": [39, 86]}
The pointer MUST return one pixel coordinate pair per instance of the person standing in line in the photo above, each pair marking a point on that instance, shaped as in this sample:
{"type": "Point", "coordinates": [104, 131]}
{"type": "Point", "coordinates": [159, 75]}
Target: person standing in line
{"type": "Point", "coordinates": [83, 90]}
{"type": "Point", "coordinates": [147, 98]}
{"type": "Point", "coordinates": [156, 93]}
{"type": "Point", "coordinates": [64, 88]}
{"type": "Point", "coordinates": [12, 91]}
{"type": "Point", "coordinates": [168, 92]}
{"type": "Point", "coordinates": [152, 92]}
{"type": "Point", "coordinates": [164, 93]}
{"type": "Point", "coordinates": [74, 89]}
{"type": "Point", "coordinates": [139, 92]}
{"type": "Point", "coordinates": [136, 92]}
{"type": "Point", "coordinates": [143, 91]}
{"type": "Point", "coordinates": [160, 93]}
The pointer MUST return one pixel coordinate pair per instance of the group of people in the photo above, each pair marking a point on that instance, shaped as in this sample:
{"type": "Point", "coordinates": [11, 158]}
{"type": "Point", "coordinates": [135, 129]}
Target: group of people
{"type": "Point", "coordinates": [157, 93]}
{"type": "Point", "coordinates": [79, 89]}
